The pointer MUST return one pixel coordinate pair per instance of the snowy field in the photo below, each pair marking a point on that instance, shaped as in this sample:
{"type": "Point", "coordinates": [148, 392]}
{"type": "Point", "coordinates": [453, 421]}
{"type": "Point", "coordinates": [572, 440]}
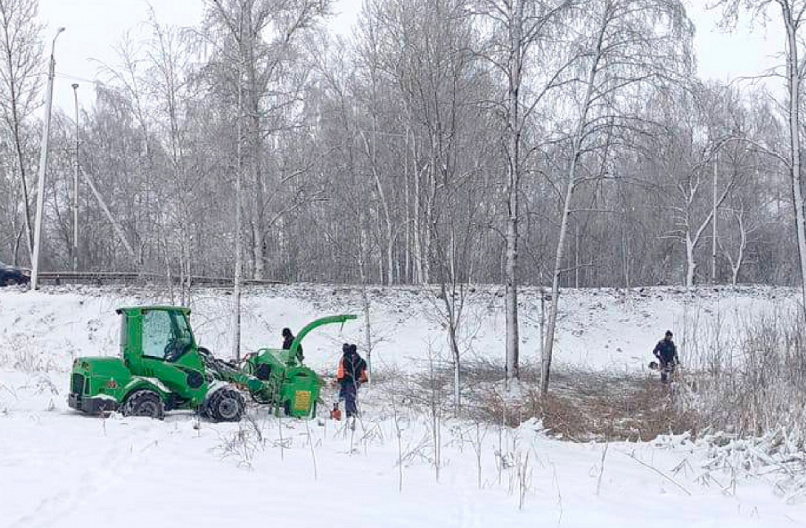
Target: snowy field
{"type": "Point", "coordinates": [61, 469]}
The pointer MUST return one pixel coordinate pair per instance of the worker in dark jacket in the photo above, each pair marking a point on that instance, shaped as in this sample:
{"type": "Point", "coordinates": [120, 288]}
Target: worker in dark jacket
{"type": "Point", "coordinates": [288, 340]}
{"type": "Point", "coordinates": [666, 352]}
{"type": "Point", "coordinates": [352, 373]}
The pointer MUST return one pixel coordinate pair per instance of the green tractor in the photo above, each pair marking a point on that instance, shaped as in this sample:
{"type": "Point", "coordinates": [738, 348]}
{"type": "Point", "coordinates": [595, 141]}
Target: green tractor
{"type": "Point", "coordinates": [161, 368]}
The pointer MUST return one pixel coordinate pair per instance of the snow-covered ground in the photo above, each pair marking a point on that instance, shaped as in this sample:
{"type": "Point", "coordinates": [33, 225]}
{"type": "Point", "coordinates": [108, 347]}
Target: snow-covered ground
{"type": "Point", "coordinates": [62, 469]}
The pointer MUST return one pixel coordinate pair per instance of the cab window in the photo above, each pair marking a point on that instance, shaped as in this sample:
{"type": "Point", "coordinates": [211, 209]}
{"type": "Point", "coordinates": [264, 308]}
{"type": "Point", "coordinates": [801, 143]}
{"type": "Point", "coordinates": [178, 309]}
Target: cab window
{"type": "Point", "coordinates": [124, 333]}
{"type": "Point", "coordinates": [157, 334]}
{"type": "Point", "coordinates": [182, 329]}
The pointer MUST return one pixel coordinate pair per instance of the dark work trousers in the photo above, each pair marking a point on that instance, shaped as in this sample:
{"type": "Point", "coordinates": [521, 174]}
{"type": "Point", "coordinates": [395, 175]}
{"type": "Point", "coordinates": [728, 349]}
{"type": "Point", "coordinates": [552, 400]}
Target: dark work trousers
{"type": "Point", "coordinates": [349, 393]}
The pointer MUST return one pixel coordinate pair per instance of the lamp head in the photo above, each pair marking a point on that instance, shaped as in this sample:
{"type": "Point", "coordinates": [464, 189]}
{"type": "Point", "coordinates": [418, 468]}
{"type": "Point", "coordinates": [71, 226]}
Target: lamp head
{"type": "Point", "coordinates": [58, 32]}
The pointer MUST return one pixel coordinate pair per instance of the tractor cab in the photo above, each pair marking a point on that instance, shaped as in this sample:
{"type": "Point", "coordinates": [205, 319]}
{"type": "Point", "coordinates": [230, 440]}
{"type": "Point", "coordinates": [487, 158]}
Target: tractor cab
{"type": "Point", "coordinates": [160, 333]}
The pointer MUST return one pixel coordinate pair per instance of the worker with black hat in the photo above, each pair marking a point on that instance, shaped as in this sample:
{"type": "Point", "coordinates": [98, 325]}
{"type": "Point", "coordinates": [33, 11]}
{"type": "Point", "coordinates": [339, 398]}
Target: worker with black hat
{"type": "Point", "coordinates": [352, 373]}
{"type": "Point", "coordinates": [288, 340]}
{"type": "Point", "coordinates": [666, 352]}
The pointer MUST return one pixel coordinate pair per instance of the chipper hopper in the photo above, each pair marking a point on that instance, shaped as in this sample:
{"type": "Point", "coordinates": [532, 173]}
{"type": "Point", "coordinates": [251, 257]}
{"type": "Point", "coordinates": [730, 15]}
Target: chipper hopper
{"type": "Point", "coordinates": [161, 368]}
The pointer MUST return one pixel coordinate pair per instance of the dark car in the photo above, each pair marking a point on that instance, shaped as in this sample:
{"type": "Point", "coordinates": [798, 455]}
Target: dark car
{"type": "Point", "coordinates": [10, 275]}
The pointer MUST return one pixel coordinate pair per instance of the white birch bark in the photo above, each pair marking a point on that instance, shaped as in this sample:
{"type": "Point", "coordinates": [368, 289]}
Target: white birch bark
{"type": "Point", "coordinates": [794, 72]}
{"type": "Point", "coordinates": [714, 236]}
{"type": "Point", "coordinates": [693, 235]}
{"type": "Point", "coordinates": [515, 71]}
{"type": "Point", "coordinates": [736, 262]}
{"type": "Point", "coordinates": [792, 13]}
{"type": "Point", "coordinates": [237, 278]}
{"type": "Point", "coordinates": [20, 56]}
{"type": "Point", "coordinates": [570, 184]}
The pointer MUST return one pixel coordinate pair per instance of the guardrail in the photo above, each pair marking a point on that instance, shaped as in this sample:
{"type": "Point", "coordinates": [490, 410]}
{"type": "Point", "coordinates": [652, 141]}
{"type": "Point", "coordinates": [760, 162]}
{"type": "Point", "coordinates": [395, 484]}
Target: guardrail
{"type": "Point", "coordinates": [127, 277]}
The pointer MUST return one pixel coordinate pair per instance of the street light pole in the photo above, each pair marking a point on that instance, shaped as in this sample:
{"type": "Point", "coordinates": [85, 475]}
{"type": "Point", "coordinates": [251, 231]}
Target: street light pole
{"type": "Point", "coordinates": [43, 164]}
{"type": "Point", "coordinates": [75, 188]}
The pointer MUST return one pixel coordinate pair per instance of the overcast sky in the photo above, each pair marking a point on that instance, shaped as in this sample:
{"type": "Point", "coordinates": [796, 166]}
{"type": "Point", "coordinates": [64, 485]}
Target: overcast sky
{"type": "Point", "coordinates": [93, 27]}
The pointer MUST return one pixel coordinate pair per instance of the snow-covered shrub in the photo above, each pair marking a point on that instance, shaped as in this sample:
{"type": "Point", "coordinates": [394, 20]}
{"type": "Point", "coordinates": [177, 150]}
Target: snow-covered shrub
{"type": "Point", "coordinates": [21, 353]}
{"type": "Point", "coordinates": [756, 387]}
{"type": "Point", "coordinates": [243, 443]}
{"type": "Point", "coordinates": [776, 456]}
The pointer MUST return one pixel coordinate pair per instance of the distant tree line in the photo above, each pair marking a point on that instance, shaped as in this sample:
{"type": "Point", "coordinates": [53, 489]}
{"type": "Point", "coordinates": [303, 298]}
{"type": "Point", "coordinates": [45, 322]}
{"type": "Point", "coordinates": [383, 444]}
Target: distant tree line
{"type": "Point", "coordinates": [564, 143]}
{"type": "Point", "coordinates": [371, 157]}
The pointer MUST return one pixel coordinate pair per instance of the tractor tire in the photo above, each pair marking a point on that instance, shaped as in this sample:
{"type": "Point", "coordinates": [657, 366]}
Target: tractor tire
{"type": "Point", "coordinates": [225, 405]}
{"type": "Point", "coordinates": [144, 403]}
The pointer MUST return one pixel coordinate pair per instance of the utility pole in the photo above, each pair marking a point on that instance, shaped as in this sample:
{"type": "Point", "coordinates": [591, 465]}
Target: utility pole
{"type": "Point", "coordinates": [43, 165]}
{"type": "Point", "coordinates": [75, 188]}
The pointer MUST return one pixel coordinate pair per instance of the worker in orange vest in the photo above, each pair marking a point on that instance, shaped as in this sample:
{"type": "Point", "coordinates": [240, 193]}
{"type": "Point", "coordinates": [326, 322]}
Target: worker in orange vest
{"type": "Point", "coordinates": [352, 373]}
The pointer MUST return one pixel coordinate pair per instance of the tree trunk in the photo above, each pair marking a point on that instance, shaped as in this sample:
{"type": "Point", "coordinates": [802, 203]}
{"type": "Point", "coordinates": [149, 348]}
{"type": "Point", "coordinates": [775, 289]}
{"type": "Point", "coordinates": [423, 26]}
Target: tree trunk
{"type": "Point", "coordinates": [13, 65]}
{"type": "Point", "coordinates": [365, 302]}
{"type": "Point", "coordinates": [236, 287]}
{"type": "Point", "coordinates": [714, 224]}
{"type": "Point", "coordinates": [256, 147]}
{"type": "Point", "coordinates": [794, 80]}
{"type": "Point", "coordinates": [515, 70]}
{"type": "Point", "coordinates": [387, 260]}
{"type": "Point", "coordinates": [576, 152]}
{"type": "Point", "coordinates": [23, 183]}
{"type": "Point", "coordinates": [548, 346]}
{"type": "Point", "coordinates": [691, 264]}
{"type": "Point", "coordinates": [407, 269]}
{"type": "Point", "coordinates": [419, 272]}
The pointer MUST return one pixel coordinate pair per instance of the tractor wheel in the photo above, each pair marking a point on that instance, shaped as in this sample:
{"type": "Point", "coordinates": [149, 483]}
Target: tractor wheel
{"type": "Point", "coordinates": [225, 405]}
{"type": "Point", "coordinates": [144, 403]}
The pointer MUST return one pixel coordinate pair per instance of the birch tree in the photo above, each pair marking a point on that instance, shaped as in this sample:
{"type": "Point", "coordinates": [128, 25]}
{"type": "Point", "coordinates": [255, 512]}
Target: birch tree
{"type": "Point", "coordinates": [742, 231]}
{"type": "Point", "coordinates": [245, 24]}
{"type": "Point", "coordinates": [168, 69]}
{"type": "Point", "coordinates": [379, 130]}
{"type": "Point", "coordinates": [789, 16]}
{"type": "Point", "coordinates": [20, 66]}
{"type": "Point", "coordinates": [267, 53]}
{"type": "Point", "coordinates": [522, 39]}
{"type": "Point", "coordinates": [623, 47]}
